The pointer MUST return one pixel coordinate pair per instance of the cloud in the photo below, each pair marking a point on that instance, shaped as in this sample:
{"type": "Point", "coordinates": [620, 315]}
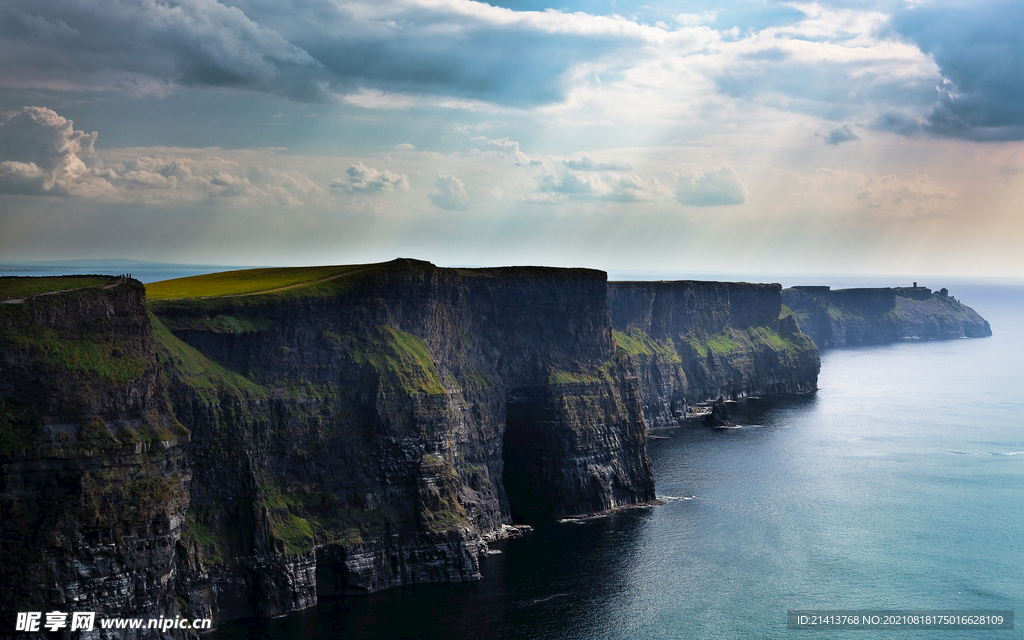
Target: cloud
{"type": "Point", "coordinates": [714, 188]}
{"type": "Point", "coordinates": [450, 193]}
{"type": "Point", "coordinates": [560, 186]}
{"type": "Point", "coordinates": [40, 154]}
{"type": "Point", "coordinates": [144, 46]}
{"type": "Point", "coordinates": [832, 63]}
{"type": "Point", "coordinates": [506, 148]}
{"type": "Point", "coordinates": [841, 134]}
{"type": "Point", "coordinates": [585, 163]}
{"type": "Point", "coordinates": [363, 179]}
{"type": "Point", "coordinates": [868, 197]}
{"type": "Point", "coordinates": [896, 122]}
{"type": "Point", "coordinates": [979, 51]}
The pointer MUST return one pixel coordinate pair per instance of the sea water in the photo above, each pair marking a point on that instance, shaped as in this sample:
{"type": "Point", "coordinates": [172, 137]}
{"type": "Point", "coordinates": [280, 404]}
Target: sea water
{"type": "Point", "coordinates": [898, 485]}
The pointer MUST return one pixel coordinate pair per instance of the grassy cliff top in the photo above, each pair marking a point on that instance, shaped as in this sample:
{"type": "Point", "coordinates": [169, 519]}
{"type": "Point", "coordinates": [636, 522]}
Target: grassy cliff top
{"type": "Point", "coordinates": [297, 281]}
{"type": "Point", "coordinates": [25, 286]}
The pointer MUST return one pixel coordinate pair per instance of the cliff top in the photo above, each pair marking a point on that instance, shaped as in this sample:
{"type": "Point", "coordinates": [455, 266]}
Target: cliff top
{"type": "Point", "coordinates": [312, 281]}
{"type": "Point", "coordinates": [22, 287]}
{"type": "Point", "coordinates": [248, 282]}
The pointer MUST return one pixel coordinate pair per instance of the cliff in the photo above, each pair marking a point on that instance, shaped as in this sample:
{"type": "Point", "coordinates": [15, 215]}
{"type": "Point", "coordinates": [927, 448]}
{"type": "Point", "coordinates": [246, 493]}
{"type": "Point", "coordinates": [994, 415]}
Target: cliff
{"type": "Point", "coordinates": [870, 316]}
{"type": "Point", "coordinates": [93, 479]}
{"type": "Point", "coordinates": [369, 428]}
{"type": "Point", "coordinates": [695, 341]}
{"type": "Point", "coordinates": [244, 442]}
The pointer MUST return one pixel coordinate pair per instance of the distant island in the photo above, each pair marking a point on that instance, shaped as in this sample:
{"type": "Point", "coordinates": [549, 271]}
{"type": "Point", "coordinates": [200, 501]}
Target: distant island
{"type": "Point", "coordinates": [238, 443]}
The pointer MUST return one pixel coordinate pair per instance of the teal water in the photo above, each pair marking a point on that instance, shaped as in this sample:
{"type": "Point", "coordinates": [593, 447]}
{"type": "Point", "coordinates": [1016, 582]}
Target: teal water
{"type": "Point", "coordinates": [898, 485]}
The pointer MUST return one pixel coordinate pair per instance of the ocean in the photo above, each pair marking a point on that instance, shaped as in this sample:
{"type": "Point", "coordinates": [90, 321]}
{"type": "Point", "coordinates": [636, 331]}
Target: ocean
{"type": "Point", "coordinates": [899, 485]}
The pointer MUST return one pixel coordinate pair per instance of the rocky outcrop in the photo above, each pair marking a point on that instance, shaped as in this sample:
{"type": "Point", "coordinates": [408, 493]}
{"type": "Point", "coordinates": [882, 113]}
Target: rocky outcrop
{"type": "Point", "coordinates": [719, 415]}
{"type": "Point", "coordinates": [695, 341]}
{"type": "Point", "coordinates": [871, 316]}
{"type": "Point", "coordinates": [93, 478]}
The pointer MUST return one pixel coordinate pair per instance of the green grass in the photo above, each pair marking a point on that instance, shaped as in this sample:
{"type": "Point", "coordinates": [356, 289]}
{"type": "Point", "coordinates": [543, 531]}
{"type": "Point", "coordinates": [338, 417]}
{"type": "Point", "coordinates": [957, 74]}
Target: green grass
{"type": "Point", "coordinates": [206, 376]}
{"type": "Point", "coordinates": [247, 282]}
{"type": "Point", "coordinates": [295, 532]}
{"type": "Point", "coordinates": [732, 342]}
{"type": "Point", "coordinates": [102, 356]}
{"type": "Point", "coordinates": [439, 507]}
{"type": "Point", "coordinates": [20, 287]}
{"type": "Point", "coordinates": [399, 357]}
{"type": "Point", "coordinates": [639, 345]}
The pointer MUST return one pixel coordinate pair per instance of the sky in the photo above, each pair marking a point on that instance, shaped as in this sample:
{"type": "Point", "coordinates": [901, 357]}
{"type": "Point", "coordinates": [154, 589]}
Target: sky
{"type": "Point", "coordinates": [849, 136]}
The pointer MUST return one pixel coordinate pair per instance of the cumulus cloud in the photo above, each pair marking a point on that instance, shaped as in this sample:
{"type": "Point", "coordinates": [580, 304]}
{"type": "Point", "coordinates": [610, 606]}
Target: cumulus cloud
{"type": "Point", "coordinates": [41, 153]}
{"type": "Point", "coordinates": [559, 186]}
{"type": "Point", "coordinates": [506, 148]}
{"type": "Point", "coordinates": [713, 188]}
{"type": "Point", "coordinates": [362, 179]}
{"type": "Point", "coordinates": [449, 193]}
{"type": "Point", "coordinates": [979, 51]}
{"type": "Point", "coordinates": [840, 134]}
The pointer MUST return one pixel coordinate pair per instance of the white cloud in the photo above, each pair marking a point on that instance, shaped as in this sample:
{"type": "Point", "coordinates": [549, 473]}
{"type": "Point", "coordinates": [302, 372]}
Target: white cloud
{"type": "Point", "coordinates": [559, 186]}
{"type": "Point", "coordinates": [719, 187]}
{"type": "Point", "coordinates": [363, 179]}
{"type": "Point", "coordinates": [506, 148]}
{"type": "Point", "coordinates": [449, 193]}
{"type": "Point", "coordinates": [41, 153]}
{"type": "Point", "coordinates": [586, 163]}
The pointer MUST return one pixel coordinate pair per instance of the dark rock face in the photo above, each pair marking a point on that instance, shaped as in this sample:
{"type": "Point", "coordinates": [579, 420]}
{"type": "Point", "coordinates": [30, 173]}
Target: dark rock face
{"type": "Point", "coordinates": [694, 341]}
{"type": "Point", "coordinates": [870, 316]}
{"type": "Point", "coordinates": [238, 456]}
{"type": "Point", "coordinates": [388, 427]}
{"type": "Point", "coordinates": [93, 478]}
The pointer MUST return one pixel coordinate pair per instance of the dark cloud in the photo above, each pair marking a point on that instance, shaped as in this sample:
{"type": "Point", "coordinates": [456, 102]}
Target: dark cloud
{"type": "Point", "coordinates": [306, 50]}
{"type": "Point", "coordinates": [143, 46]}
{"type": "Point", "coordinates": [841, 134]}
{"type": "Point", "coordinates": [979, 48]}
{"type": "Point", "coordinates": [713, 188]}
{"type": "Point", "coordinates": [896, 122]}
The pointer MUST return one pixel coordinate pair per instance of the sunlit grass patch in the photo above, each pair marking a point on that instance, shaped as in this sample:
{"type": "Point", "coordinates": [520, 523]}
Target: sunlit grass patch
{"type": "Point", "coordinates": [21, 287]}
{"type": "Point", "coordinates": [250, 281]}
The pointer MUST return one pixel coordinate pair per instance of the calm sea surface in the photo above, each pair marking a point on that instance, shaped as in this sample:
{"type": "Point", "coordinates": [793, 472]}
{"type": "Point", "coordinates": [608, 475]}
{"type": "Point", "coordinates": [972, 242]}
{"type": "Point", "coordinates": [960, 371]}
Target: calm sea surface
{"type": "Point", "coordinates": [898, 485]}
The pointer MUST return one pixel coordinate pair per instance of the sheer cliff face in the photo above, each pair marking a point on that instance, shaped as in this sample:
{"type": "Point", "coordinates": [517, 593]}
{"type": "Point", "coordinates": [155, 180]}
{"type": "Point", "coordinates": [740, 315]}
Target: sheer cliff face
{"type": "Point", "coordinates": [368, 430]}
{"type": "Point", "coordinates": [695, 341]}
{"type": "Point", "coordinates": [93, 480]}
{"type": "Point", "coordinates": [375, 432]}
{"type": "Point", "coordinates": [867, 316]}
